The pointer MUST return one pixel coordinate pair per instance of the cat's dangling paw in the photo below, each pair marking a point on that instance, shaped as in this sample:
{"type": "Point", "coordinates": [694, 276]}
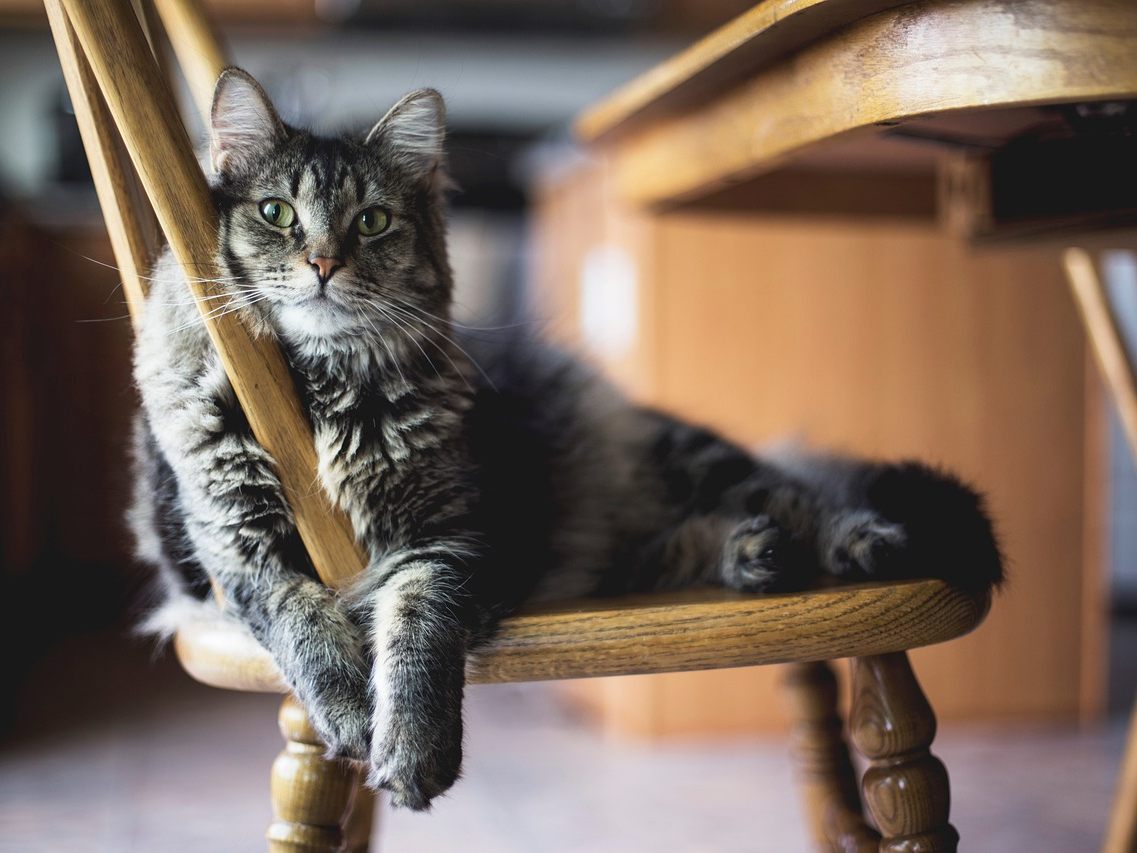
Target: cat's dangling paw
{"type": "Point", "coordinates": [416, 757]}
{"type": "Point", "coordinates": [342, 718]}
{"type": "Point", "coordinates": [863, 544]}
{"type": "Point", "coordinates": [760, 556]}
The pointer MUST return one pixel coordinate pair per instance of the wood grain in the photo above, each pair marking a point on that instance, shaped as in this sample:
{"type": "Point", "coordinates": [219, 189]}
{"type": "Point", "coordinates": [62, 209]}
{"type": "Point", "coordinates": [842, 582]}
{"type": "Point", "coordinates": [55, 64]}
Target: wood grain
{"type": "Point", "coordinates": [360, 825]}
{"type": "Point", "coordinates": [760, 36]}
{"type": "Point", "coordinates": [825, 773]}
{"type": "Point", "coordinates": [311, 795]}
{"type": "Point", "coordinates": [925, 58]}
{"type": "Point", "coordinates": [905, 787]}
{"type": "Point", "coordinates": [198, 46]}
{"type": "Point", "coordinates": [130, 220]}
{"type": "Point", "coordinates": [143, 110]}
{"type": "Point", "coordinates": [696, 629]}
{"type": "Point", "coordinates": [156, 37]}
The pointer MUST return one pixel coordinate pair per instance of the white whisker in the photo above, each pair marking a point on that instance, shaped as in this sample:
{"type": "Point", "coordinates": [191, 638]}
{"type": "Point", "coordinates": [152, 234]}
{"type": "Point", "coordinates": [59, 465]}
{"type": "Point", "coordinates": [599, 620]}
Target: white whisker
{"type": "Point", "coordinates": [450, 340]}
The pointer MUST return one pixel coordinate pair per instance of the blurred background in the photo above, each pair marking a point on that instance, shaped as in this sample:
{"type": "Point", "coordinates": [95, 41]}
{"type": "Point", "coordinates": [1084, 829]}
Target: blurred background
{"type": "Point", "coordinates": [765, 325]}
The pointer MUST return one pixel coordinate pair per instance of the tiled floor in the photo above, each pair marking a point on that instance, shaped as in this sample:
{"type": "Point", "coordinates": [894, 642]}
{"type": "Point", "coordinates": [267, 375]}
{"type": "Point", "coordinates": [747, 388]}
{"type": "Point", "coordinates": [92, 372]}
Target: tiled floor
{"type": "Point", "coordinates": [111, 754]}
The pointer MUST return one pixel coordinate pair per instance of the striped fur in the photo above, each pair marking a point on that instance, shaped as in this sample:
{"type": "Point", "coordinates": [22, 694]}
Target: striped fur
{"type": "Point", "coordinates": [473, 491]}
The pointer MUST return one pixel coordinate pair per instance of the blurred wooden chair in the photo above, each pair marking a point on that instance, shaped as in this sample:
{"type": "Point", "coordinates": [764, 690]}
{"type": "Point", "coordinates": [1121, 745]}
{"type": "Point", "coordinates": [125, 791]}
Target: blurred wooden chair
{"type": "Point", "coordinates": [1120, 376]}
{"type": "Point", "coordinates": [149, 181]}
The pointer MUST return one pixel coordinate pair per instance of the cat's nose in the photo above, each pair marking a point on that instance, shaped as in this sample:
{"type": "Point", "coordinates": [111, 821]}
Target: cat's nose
{"type": "Point", "coordinates": [324, 266]}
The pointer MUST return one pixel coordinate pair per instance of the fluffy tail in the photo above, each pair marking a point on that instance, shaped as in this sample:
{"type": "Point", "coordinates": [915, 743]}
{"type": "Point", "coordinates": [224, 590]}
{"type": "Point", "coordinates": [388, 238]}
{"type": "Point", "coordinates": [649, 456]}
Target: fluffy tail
{"type": "Point", "coordinates": [950, 533]}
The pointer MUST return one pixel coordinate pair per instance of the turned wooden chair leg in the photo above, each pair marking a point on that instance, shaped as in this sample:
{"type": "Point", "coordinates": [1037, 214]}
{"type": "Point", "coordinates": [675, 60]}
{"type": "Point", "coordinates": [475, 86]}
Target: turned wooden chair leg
{"type": "Point", "coordinates": [905, 787]}
{"type": "Point", "coordinates": [311, 796]}
{"type": "Point", "coordinates": [1121, 837]}
{"type": "Point", "coordinates": [360, 822]}
{"type": "Point", "coordinates": [824, 770]}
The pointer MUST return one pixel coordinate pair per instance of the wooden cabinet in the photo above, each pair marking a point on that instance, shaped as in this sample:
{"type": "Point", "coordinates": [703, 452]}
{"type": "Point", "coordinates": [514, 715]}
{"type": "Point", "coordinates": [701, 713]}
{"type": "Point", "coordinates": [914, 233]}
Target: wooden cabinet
{"type": "Point", "coordinates": [879, 337]}
{"type": "Point", "coordinates": [64, 428]}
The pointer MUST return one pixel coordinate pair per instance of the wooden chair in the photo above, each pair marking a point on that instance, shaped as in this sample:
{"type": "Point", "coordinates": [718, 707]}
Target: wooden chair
{"type": "Point", "coordinates": [146, 177]}
{"type": "Point", "coordinates": [1120, 376]}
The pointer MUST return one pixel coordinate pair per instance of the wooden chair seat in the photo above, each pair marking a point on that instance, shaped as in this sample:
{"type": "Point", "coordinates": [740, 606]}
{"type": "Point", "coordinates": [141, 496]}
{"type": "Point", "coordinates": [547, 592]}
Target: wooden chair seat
{"type": "Point", "coordinates": [663, 632]}
{"type": "Point", "coordinates": [145, 170]}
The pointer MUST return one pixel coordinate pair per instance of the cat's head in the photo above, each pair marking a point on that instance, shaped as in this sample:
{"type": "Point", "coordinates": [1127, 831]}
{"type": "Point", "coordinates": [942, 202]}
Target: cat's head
{"type": "Point", "coordinates": [332, 235]}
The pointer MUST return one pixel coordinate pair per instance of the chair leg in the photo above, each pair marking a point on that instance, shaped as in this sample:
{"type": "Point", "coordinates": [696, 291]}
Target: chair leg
{"type": "Point", "coordinates": [825, 772]}
{"type": "Point", "coordinates": [1121, 836]}
{"type": "Point", "coordinates": [361, 821]}
{"type": "Point", "coordinates": [311, 795]}
{"type": "Point", "coordinates": [905, 786]}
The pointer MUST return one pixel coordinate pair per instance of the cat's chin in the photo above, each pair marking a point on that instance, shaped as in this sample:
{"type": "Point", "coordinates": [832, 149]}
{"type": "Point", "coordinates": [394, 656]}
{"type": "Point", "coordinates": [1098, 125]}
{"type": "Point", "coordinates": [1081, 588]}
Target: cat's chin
{"type": "Point", "coordinates": [314, 318]}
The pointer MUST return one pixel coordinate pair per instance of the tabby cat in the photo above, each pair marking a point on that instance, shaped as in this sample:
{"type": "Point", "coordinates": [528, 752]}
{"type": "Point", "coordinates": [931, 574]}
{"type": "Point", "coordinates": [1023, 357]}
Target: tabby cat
{"type": "Point", "coordinates": [472, 490]}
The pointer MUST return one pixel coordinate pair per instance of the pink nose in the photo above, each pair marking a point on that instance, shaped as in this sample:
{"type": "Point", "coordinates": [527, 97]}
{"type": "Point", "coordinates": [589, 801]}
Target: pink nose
{"type": "Point", "coordinates": [325, 266]}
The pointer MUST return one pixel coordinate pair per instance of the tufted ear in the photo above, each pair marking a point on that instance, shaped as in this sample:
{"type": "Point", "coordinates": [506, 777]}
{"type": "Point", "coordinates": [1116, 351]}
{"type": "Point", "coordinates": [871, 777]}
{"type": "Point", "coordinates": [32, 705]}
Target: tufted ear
{"type": "Point", "coordinates": [415, 131]}
{"type": "Point", "coordinates": [243, 124]}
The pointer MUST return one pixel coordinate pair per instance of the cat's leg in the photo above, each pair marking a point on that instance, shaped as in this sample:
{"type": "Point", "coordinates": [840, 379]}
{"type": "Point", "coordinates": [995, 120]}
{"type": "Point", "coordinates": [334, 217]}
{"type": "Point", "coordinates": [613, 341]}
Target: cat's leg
{"type": "Point", "coordinates": [743, 524]}
{"type": "Point", "coordinates": [316, 647]}
{"type": "Point", "coordinates": [407, 483]}
{"type": "Point", "coordinates": [757, 527]}
{"type": "Point", "coordinates": [888, 520]}
{"type": "Point", "coordinates": [417, 610]}
{"type": "Point", "coordinates": [243, 533]}
{"type": "Point", "coordinates": [760, 555]}
{"type": "Point", "coordinates": [752, 554]}
{"type": "Point", "coordinates": [857, 543]}
{"type": "Point", "coordinates": [848, 542]}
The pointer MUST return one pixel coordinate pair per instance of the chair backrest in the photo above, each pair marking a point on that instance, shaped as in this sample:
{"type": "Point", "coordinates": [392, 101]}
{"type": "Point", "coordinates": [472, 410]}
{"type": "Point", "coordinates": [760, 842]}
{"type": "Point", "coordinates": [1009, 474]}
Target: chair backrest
{"type": "Point", "coordinates": [196, 43]}
{"type": "Point", "coordinates": [148, 180]}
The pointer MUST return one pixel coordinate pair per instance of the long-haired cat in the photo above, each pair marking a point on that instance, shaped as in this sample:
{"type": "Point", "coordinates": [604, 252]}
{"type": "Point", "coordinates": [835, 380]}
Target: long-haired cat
{"type": "Point", "coordinates": [472, 492]}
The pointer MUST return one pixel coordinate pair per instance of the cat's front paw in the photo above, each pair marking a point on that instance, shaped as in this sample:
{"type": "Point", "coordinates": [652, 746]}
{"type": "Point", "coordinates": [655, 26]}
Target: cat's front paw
{"type": "Point", "coordinates": [340, 713]}
{"type": "Point", "coordinates": [416, 757]}
{"type": "Point", "coordinates": [341, 717]}
{"type": "Point", "coordinates": [863, 544]}
{"type": "Point", "coordinates": [760, 556]}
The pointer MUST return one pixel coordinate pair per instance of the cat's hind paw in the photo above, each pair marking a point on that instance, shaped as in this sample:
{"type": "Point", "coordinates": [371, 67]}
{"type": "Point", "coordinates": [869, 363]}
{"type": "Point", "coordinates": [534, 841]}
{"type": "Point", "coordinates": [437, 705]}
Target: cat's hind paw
{"type": "Point", "coordinates": [759, 555]}
{"type": "Point", "coordinates": [863, 544]}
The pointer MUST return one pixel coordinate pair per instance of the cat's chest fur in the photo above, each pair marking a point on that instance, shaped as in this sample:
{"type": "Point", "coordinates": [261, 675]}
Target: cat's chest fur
{"type": "Point", "coordinates": [379, 432]}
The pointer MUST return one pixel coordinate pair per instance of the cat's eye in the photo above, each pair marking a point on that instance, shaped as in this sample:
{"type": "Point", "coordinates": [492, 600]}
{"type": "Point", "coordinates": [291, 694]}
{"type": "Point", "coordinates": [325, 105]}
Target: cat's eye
{"type": "Point", "coordinates": [277, 212]}
{"type": "Point", "coordinates": [373, 221]}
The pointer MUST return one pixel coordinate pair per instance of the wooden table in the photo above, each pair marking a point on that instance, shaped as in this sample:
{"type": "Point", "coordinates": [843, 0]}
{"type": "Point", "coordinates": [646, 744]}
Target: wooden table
{"type": "Point", "coordinates": [968, 107]}
{"type": "Point", "coordinates": [995, 121]}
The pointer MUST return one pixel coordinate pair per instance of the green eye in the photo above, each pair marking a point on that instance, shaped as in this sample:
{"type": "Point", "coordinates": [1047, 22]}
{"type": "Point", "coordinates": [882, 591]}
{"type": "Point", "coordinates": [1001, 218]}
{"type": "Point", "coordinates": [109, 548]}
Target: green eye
{"type": "Point", "coordinates": [277, 212]}
{"type": "Point", "coordinates": [374, 220]}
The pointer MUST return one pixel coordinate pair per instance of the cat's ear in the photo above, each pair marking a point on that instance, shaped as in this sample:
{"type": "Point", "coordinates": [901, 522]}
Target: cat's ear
{"type": "Point", "coordinates": [244, 125]}
{"type": "Point", "coordinates": [415, 131]}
